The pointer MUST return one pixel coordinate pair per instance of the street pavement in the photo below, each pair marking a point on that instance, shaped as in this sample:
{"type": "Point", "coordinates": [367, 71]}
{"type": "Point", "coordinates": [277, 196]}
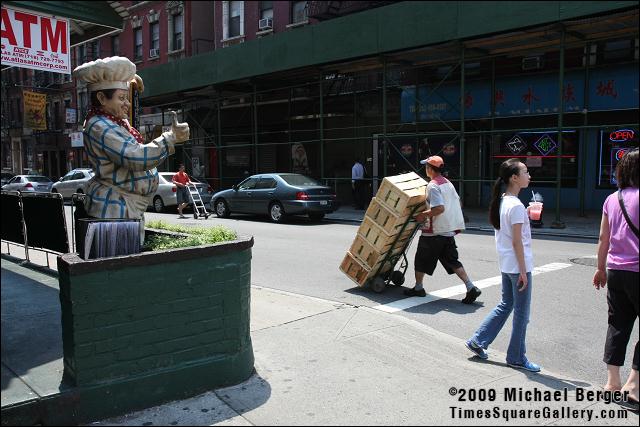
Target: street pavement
{"type": "Point", "coordinates": [340, 355]}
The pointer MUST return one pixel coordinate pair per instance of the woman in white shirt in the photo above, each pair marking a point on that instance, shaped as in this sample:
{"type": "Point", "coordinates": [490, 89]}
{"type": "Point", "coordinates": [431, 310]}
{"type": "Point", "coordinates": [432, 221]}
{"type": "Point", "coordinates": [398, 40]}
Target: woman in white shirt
{"type": "Point", "coordinates": [513, 243]}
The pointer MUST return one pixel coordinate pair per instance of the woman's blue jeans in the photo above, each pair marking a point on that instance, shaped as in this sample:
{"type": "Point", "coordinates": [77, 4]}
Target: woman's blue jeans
{"type": "Point", "coordinates": [512, 300]}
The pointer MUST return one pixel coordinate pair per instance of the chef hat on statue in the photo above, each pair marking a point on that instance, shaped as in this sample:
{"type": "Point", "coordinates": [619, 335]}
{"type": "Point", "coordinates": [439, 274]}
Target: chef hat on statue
{"type": "Point", "coordinates": [115, 72]}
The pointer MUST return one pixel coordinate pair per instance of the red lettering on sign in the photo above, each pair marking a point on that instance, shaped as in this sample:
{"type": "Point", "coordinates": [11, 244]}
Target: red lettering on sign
{"type": "Point", "coordinates": [8, 29]}
{"type": "Point", "coordinates": [621, 135]}
{"type": "Point", "coordinates": [57, 39]}
{"type": "Point", "coordinates": [27, 22]}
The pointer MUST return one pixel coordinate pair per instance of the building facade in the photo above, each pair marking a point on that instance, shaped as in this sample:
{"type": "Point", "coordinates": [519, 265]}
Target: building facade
{"type": "Point", "coordinates": [309, 86]}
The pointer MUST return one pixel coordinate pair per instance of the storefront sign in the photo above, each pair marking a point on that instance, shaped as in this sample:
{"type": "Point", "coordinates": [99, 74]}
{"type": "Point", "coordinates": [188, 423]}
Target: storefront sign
{"type": "Point", "coordinates": [613, 146]}
{"type": "Point", "coordinates": [35, 109]}
{"type": "Point", "coordinates": [609, 89]}
{"type": "Point", "coordinates": [76, 139]}
{"type": "Point", "coordinates": [30, 40]}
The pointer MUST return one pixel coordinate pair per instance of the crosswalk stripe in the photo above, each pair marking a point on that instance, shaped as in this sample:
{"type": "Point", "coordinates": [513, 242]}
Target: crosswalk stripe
{"type": "Point", "coordinates": [452, 291]}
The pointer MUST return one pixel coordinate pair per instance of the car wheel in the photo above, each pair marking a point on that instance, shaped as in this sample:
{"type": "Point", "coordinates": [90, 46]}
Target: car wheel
{"type": "Point", "coordinates": [316, 216]}
{"type": "Point", "coordinates": [158, 204]}
{"type": "Point", "coordinates": [276, 212]}
{"type": "Point", "coordinates": [222, 209]}
{"type": "Point", "coordinates": [79, 191]}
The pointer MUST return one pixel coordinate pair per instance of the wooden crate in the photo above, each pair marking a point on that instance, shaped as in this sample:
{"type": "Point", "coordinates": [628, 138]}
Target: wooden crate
{"type": "Point", "coordinates": [390, 221]}
{"type": "Point", "coordinates": [355, 270]}
{"type": "Point", "coordinates": [370, 257]}
{"type": "Point", "coordinates": [378, 238]}
{"type": "Point", "coordinates": [401, 192]}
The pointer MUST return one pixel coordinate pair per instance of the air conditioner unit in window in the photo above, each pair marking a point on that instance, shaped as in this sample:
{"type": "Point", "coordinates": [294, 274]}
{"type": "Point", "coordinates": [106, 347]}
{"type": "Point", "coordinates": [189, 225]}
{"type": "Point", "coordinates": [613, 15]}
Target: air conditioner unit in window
{"type": "Point", "coordinates": [532, 63]}
{"type": "Point", "coordinates": [154, 53]}
{"type": "Point", "coordinates": [265, 24]}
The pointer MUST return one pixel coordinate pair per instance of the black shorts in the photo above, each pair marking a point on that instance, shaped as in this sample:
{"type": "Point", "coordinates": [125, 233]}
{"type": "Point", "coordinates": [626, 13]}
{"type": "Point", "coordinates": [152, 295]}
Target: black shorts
{"type": "Point", "coordinates": [433, 249]}
{"type": "Point", "coordinates": [183, 195]}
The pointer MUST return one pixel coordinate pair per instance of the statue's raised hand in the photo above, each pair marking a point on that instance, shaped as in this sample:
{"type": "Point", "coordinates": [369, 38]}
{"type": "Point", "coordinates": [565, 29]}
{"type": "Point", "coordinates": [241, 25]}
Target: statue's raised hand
{"type": "Point", "coordinates": [180, 131]}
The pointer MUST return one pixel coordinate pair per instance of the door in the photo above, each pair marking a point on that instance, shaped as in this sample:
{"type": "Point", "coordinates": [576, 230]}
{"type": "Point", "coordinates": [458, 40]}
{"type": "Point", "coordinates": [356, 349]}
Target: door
{"type": "Point", "coordinates": [263, 194]}
{"type": "Point", "coordinates": [243, 200]}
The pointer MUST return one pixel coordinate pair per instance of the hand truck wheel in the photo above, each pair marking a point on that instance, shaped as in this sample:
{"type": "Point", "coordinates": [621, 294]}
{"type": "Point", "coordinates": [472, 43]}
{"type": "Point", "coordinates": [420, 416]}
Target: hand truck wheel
{"type": "Point", "coordinates": [195, 215]}
{"type": "Point", "coordinates": [378, 284]}
{"type": "Point", "coordinates": [397, 277]}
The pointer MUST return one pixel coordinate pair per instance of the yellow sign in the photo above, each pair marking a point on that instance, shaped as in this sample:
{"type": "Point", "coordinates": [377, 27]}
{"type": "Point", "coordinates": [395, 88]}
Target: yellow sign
{"type": "Point", "coordinates": [35, 110]}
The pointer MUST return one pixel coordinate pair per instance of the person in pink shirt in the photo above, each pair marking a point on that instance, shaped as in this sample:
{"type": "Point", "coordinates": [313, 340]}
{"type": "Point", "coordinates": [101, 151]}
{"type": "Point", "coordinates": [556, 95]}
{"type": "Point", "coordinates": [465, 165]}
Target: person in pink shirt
{"type": "Point", "coordinates": [618, 250]}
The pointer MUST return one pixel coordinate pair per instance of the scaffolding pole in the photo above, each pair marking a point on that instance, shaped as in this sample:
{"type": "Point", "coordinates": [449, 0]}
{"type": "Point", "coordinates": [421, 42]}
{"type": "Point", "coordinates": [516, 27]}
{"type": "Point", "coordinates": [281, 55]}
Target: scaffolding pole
{"type": "Point", "coordinates": [462, 139]}
{"type": "Point", "coordinates": [558, 223]}
{"type": "Point", "coordinates": [585, 132]}
{"type": "Point", "coordinates": [321, 127]}
{"type": "Point", "coordinates": [384, 117]}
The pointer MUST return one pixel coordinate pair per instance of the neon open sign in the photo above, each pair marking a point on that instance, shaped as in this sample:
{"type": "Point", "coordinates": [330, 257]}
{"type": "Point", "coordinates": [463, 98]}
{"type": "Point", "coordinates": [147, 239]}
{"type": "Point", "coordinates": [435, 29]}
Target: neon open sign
{"type": "Point", "coordinates": [621, 135]}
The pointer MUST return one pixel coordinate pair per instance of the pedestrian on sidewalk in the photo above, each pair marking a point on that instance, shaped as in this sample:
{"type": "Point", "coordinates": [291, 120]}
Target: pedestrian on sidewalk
{"type": "Point", "coordinates": [442, 221]}
{"type": "Point", "coordinates": [181, 180]}
{"type": "Point", "coordinates": [358, 185]}
{"type": "Point", "coordinates": [618, 249]}
{"type": "Point", "coordinates": [513, 242]}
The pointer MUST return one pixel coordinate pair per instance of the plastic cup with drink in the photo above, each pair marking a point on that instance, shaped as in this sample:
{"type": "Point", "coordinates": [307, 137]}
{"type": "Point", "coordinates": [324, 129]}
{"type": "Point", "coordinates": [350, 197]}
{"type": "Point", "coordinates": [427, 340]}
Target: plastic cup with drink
{"type": "Point", "coordinates": [535, 209]}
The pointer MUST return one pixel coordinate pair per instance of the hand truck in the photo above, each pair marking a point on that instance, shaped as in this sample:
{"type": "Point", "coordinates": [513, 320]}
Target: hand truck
{"type": "Point", "coordinates": [380, 280]}
{"type": "Point", "coordinates": [199, 209]}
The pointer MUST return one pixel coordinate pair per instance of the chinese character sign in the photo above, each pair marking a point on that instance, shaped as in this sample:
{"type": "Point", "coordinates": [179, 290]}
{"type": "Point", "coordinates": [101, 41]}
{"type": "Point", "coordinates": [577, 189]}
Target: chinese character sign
{"type": "Point", "coordinates": [30, 40]}
{"type": "Point", "coordinates": [35, 108]}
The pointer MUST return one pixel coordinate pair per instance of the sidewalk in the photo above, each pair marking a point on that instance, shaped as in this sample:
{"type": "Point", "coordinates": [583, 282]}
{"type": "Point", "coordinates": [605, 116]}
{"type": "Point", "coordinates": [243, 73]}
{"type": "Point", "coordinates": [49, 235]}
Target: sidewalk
{"type": "Point", "coordinates": [318, 362]}
{"type": "Point", "coordinates": [587, 227]}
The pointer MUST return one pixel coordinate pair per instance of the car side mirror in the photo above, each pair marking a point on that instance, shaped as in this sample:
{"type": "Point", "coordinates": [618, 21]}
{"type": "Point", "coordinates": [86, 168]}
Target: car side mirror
{"type": "Point", "coordinates": [235, 187]}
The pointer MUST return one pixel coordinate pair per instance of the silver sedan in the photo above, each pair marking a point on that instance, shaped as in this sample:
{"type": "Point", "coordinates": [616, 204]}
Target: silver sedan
{"type": "Point", "coordinates": [73, 182]}
{"type": "Point", "coordinates": [29, 183]}
{"type": "Point", "coordinates": [166, 194]}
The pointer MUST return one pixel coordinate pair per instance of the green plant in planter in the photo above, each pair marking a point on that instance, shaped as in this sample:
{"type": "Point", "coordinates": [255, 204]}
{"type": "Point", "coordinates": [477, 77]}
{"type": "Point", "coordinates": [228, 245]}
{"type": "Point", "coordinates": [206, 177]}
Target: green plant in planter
{"type": "Point", "coordinates": [196, 236]}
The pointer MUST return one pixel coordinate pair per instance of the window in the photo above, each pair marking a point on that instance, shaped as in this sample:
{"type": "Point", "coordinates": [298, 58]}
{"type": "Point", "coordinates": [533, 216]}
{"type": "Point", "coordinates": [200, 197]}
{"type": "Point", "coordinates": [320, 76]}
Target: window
{"type": "Point", "coordinates": [94, 50]}
{"type": "Point", "coordinates": [617, 51]}
{"type": "Point", "coordinates": [177, 25]}
{"type": "Point", "coordinates": [248, 184]}
{"type": "Point", "coordinates": [298, 11]}
{"type": "Point", "coordinates": [82, 100]}
{"type": "Point", "coordinates": [115, 45]}
{"type": "Point", "coordinates": [266, 9]}
{"type": "Point", "coordinates": [614, 143]}
{"type": "Point", "coordinates": [266, 183]}
{"type": "Point", "coordinates": [154, 31]}
{"type": "Point", "coordinates": [235, 12]}
{"type": "Point", "coordinates": [137, 44]}
{"type": "Point", "coordinates": [82, 53]}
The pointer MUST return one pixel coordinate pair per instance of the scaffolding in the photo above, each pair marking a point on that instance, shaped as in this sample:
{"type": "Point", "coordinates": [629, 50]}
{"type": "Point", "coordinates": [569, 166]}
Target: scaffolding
{"type": "Point", "coordinates": [322, 119]}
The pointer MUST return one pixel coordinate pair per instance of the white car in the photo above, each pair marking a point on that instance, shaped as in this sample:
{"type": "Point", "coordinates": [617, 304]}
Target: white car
{"type": "Point", "coordinates": [166, 194]}
{"type": "Point", "coordinates": [29, 183]}
{"type": "Point", "coordinates": [73, 182]}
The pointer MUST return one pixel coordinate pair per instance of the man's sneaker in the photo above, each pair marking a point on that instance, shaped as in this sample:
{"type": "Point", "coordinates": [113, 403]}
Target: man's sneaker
{"type": "Point", "coordinates": [414, 293]}
{"type": "Point", "coordinates": [477, 350]}
{"type": "Point", "coordinates": [527, 366]}
{"type": "Point", "coordinates": [472, 295]}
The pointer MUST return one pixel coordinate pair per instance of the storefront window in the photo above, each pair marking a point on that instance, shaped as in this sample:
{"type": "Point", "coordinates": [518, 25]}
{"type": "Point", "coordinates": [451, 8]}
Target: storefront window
{"type": "Point", "coordinates": [539, 151]}
{"type": "Point", "coordinates": [613, 144]}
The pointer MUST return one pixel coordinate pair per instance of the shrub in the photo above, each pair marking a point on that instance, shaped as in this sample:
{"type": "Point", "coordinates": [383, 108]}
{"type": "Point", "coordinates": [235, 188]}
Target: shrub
{"type": "Point", "coordinates": [197, 236]}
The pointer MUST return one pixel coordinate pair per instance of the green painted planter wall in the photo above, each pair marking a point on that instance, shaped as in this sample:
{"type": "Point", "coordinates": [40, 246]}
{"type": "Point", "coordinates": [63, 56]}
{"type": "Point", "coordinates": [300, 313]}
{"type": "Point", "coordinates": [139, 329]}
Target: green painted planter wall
{"type": "Point", "coordinates": [173, 323]}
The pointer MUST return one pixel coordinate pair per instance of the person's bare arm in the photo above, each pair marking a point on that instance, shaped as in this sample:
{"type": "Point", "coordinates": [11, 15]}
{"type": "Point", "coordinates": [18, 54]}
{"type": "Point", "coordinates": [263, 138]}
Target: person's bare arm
{"type": "Point", "coordinates": [600, 276]}
{"type": "Point", "coordinates": [430, 213]}
{"type": "Point", "coordinates": [518, 248]}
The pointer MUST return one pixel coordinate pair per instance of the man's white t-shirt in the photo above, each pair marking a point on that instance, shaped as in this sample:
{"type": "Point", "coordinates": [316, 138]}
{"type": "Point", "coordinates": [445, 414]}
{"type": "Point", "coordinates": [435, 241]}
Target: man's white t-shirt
{"type": "Point", "coordinates": [512, 211]}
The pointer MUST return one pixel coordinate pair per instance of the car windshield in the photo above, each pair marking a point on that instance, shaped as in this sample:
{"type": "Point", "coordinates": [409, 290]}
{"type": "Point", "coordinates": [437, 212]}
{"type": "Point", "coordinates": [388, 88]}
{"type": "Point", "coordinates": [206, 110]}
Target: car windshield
{"type": "Point", "coordinates": [295, 179]}
{"type": "Point", "coordinates": [168, 176]}
{"type": "Point", "coordinates": [38, 179]}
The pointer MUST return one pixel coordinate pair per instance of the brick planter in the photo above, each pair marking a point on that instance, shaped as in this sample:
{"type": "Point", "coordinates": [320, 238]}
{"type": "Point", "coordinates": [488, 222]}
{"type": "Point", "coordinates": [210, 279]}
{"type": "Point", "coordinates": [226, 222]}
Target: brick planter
{"type": "Point", "coordinates": [142, 329]}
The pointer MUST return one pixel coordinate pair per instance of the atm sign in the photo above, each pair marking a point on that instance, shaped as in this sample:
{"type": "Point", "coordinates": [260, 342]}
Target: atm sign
{"type": "Point", "coordinates": [621, 135]}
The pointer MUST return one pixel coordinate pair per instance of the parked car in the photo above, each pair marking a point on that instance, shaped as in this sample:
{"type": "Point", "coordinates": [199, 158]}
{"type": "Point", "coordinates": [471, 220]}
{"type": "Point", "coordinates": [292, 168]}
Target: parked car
{"type": "Point", "coordinates": [6, 177]}
{"type": "Point", "coordinates": [31, 183]}
{"type": "Point", "coordinates": [166, 194]}
{"type": "Point", "coordinates": [73, 182]}
{"type": "Point", "coordinates": [277, 195]}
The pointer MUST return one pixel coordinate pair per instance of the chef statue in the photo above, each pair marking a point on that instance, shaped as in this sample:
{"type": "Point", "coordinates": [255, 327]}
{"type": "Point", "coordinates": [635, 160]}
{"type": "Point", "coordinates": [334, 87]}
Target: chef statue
{"type": "Point", "coordinates": [125, 177]}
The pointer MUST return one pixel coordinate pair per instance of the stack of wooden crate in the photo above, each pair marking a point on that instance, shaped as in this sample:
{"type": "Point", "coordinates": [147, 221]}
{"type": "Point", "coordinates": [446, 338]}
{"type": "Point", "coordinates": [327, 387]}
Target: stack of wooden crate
{"type": "Point", "coordinates": [385, 229]}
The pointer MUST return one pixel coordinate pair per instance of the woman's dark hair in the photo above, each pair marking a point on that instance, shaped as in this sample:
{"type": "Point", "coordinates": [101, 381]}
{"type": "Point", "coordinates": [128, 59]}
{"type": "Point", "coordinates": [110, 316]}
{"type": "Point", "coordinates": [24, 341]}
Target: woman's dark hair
{"type": "Point", "coordinates": [94, 96]}
{"type": "Point", "coordinates": [627, 170]}
{"type": "Point", "coordinates": [508, 168]}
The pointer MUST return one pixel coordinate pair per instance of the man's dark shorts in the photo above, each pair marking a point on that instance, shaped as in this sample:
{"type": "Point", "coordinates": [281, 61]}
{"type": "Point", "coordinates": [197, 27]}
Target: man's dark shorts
{"type": "Point", "coordinates": [433, 249]}
{"type": "Point", "coordinates": [183, 195]}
